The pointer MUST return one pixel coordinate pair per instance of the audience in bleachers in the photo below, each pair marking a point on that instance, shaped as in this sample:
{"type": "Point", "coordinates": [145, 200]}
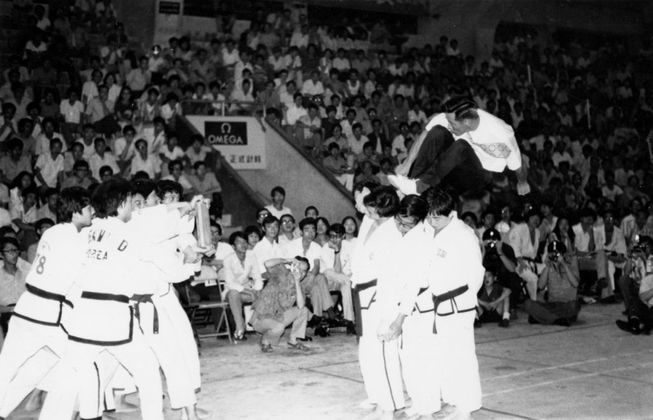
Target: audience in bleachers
{"type": "Point", "coordinates": [80, 103]}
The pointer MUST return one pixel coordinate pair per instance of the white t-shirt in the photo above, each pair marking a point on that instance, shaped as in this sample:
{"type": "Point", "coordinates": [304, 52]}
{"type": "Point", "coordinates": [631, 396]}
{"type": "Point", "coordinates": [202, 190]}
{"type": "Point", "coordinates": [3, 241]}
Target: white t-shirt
{"type": "Point", "coordinates": [71, 112]}
{"type": "Point", "coordinates": [278, 213]}
{"type": "Point", "coordinates": [50, 168]}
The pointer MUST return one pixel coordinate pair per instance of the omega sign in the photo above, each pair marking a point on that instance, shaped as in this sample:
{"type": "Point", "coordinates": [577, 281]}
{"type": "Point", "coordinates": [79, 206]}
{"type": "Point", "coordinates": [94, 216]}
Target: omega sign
{"type": "Point", "coordinates": [226, 133]}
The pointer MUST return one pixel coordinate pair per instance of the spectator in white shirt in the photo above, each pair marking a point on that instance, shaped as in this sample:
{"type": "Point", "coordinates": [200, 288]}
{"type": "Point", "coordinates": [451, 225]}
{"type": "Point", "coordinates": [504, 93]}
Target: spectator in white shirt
{"type": "Point", "coordinates": [90, 87]}
{"type": "Point", "coordinates": [335, 266]}
{"type": "Point", "coordinates": [49, 166]}
{"type": "Point", "coordinates": [610, 190]}
{"type": "Point", "coordinates": [102, 157]}
{"type": "Point", "coordinates": [589, 242]}
{"type": "Point", "coordinates": [142, 161]}
{"type": "Point", "coordinates": [268, 247]}
{"type": "Point", "coordinates": [296, 110]}
{"type": "Point", "coordinates": [198, 151]}
{"type": "Point", "coordinates": [278, 196]}
{"type": "Point", "coordinates": [313, 86]}
{"type": "Point", "coordinates": [49, 209]}
{"type": "Point", "coordinates": [175, 168]}
{"type": "Point", "coordinates": [242, 281]}
{"type": "Point", "coordinates": [524, 238]}
{"type": "Point", "coordinates": [71, 110]}
{"type": "Point", "coordinates": [313, 285]}
{"type": "Point", "coordinates": [123, 147]}
{"type": "Point", "coordinates": [169, 152]}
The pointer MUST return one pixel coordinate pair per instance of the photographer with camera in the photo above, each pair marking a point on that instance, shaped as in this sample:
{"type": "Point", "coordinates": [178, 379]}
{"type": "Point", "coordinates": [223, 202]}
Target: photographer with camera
{"type": "Point", "coordinates": [557, 287]}
{"type": "Point", "coordinates": [636, 286]}
{"type": "Point", "coordinates": [499, 257]}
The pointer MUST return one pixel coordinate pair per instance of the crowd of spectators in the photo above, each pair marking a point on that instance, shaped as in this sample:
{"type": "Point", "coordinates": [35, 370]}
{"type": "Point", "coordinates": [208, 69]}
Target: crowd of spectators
{"type": "Point", "coordinates": [81, 104]}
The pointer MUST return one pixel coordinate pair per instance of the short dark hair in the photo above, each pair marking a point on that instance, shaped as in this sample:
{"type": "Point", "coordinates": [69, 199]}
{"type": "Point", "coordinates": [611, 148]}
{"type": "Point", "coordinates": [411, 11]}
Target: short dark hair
{"type": "Point", "coordinates": [80, 164]}
{"type": "Point", "coordinates": [279, 190]}
{"type": "Point", "coordinates": [104, 169]}
{"type": "Point", "coordinates": [269, 220]}
{"type": "Point", "coordinates": [311, 208]}
{"type": "Point", "coordinates": [384, 199]}
{"type": "Point", "coordinates": [236, 235]}
{"type": "Point", "coordinates": [253, 229]}
{"type": "Point", "coordinates": [71, 200]}
{"type": "Point", "coordinates": [308, 221]}
{"type": "Point", "coordinates": [143, 187]}
{"type": "Point", "coordinates": [337, 228]}
{"type": "Point", "coordinates": [217, 225]}
{"type": "Point", "coordinates": [166, 186]}
{"type": "Point", "coordinates": [42, 222]}
{"type": "Point", "coordinates": [440, 201]}
{"type": "Point", "coordinates": [287, 215]}
{"type": "Point", "coordinates": [108, 197]}
{"type": "Point", "coordinates": [8, 240]}
{"type": "Point", "coordinates": [173, 163]}
{"type": "Point", "coordinates": [462, 107]}
{"type": "Point", "coordinates": [413, 206]}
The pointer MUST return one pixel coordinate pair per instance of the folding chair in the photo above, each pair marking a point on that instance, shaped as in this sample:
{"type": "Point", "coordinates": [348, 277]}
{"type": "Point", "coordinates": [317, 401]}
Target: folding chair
{"type": "Point", "coordinates": [200, 312]}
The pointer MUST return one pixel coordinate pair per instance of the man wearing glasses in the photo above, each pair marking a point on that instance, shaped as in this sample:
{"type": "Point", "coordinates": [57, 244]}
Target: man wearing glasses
{"type": "Point", "coordinates": [13, 271]}
{"type": "Point", "coordinates": [440, 157]}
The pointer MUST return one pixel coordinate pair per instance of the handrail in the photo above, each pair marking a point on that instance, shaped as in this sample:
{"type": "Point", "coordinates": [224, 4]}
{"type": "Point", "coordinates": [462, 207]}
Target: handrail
{"type": "Point", "coordinates": [230, 170]}
{"type": "Point", "coordinates": [224, 105]}
{"type": "Point", "coordinates": [317, 165]}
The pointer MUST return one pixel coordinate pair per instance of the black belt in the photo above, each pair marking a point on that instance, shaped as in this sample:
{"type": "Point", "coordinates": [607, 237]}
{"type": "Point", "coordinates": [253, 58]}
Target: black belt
{"type": "Point", "coordinates": [139, 299]}
{"type": "Point", "coordinates": [44, 294]}
{"type": "Point", "coordinates": [438, 299]}
{"type": "Point", "coordinates": [105, 296]}
{"type": "Point", "coordinates": [416, 307]}
{"type": "Point", "coordinates": [47, 295]}
{"type": "Point", "coordinates": [356, 300]}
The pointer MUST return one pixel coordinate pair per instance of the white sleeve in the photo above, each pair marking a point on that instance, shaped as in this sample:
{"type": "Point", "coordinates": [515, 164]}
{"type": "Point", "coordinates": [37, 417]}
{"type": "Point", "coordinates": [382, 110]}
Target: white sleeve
{"type": "Point", "coordinates": [233, 281]}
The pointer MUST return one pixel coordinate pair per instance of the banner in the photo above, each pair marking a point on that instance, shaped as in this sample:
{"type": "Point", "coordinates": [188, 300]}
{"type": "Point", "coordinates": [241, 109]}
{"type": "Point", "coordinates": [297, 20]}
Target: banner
{"type": "Point", "coordinates": [240, 140]}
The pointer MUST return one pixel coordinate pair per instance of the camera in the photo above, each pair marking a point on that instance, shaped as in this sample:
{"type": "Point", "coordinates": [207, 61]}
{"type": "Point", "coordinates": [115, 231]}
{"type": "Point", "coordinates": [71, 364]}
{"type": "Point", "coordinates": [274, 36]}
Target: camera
{"type": "Point", "coordinates": [554, 257]}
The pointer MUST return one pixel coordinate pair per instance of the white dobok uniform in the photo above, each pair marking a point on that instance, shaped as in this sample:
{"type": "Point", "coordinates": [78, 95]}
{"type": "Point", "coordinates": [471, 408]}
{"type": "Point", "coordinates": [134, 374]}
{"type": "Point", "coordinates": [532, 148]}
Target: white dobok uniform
{"type": "Point", "coordinates": [455, 276]}
{"type": "Point", "coordinates": [35, 341]}
{"type": "Point", "coordinates": [102, 321]}
{"type": "Point", "coordinates": [419, 346]}
{"type": "Point", "coordinates": [379, 360]}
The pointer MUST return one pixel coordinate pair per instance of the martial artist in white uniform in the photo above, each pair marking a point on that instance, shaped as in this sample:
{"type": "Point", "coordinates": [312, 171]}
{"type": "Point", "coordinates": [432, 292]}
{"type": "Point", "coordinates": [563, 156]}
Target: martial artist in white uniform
{"type": "Point", "coordinates": [379, 360]}
{"type": "Point", "coordinates": [102, 320]}
{"type": "Point", "coordinates": [455, 276]}
{"type": "Point", "coordinates": [35, 341]}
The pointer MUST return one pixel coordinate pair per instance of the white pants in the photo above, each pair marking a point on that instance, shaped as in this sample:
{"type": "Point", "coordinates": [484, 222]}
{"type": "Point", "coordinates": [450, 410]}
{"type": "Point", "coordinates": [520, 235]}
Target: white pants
{"type": "Point", "coordinates": [380, 366]}
{"type": "Point", "coordinates": [30, 352]}
{"type": "Point", "coordinates": [341, 282]}
{"type": "Point", "coordinates": [461, 383]}
{"type": "Point", "coordinates": [419, 363]}
{"type": "Point", "coordinates": [81, 373]}
{"type": "Point", "coordinates": [175, 325]}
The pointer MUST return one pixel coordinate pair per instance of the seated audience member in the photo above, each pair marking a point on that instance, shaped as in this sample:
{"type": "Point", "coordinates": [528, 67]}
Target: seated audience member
{"type": "Point", "coordinates": [338, 166]}
{"type": "Point", "coordinates": [313, 285]}
{"type": "Point", "coordinates": [81, 176]}
{"type": "Point", "coordinates": [558, 287]}
{"type": "Point", "coordinates": [335, 267]}
{"type": "Point", "coordinates": [198, 152]}
{"type": "Point", "coordinates": [49, 208]}
{"type": "Point", "coordinates": [169, 152]}
{"type": "Point", "coordinates": [589, 243]}
{"type": "Point", "coordinates": [176, 170]}
{"type": "Point", "coordinates": [74, 155]}
{"type": "Point", "coordinates": [322, 237]}
{"type": "Point", "coordinates": [242, 281]}
{"type": "Point", "coordinates": [203, 181]}
{"type": "Point", "coordinates": [499, 257]}
{"type": "Point", "coordinates": [13, 271]}
{"type": "Point", "coordinates": [287, 230]}
{"type": "Point", "coordinates": [261, 214]}
{"type": "Point", "coordinates": [144, 161]}
{"type": "Point", "coordinates": [124, 147]}
{"type": "Point", "coordinates": [40, 226]}
{"type": "Point", "coordinates": [615, 246]}
{"type": "Point", "coordinates": [49, 166]}
{"type": "Point", "coordinates": [525, 240]}
{"type": "Point", "coordinates": [278, 196]}
{"type": "Point", "coordinates": [493, 301]}
{"type": "Point", "coordinates": [101, 157]}
{"type": "Point", "coordinates": [268, 247]}
{"type": "Point", "coordinates": [106, 173]}
{"type": "Point", "coordinates": [281, 303]}
{"type": "Point", "coordinates": [14, 162]}
{"type": "Point", "coordinates": [632, 286]}
{"type": "Point", "coordinates": [254, 236]}
{"type": "Point", "coordinates": [24, 213]}
{"type": "Point", "coordinates": [168, 191]}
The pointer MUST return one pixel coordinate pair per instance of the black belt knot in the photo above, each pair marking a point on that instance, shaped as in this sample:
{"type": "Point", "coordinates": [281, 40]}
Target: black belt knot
{"type": "Point", "coordinates": [138, 300]}
{"type": "Point", "coordinates": [438, 299]}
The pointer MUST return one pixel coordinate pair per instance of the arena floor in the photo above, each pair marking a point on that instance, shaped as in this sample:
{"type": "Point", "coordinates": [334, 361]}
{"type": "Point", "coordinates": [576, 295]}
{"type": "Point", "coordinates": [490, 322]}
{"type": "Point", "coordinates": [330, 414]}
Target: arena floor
{"type": "Point", "coordinates": [591, 370]}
